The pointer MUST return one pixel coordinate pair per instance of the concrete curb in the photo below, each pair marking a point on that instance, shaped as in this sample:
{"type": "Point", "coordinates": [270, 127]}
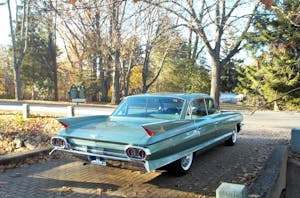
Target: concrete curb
{"type": "Point", "coordinates": [229, 190]}
{"type": "Point", "coordinates": [15, 158]}
{"type": "Point", "coordinates": [271, 181]}
{"type": "Point", "coordinates": [293, 179]}
{"type": "Point", "coordinates": [295, 140]}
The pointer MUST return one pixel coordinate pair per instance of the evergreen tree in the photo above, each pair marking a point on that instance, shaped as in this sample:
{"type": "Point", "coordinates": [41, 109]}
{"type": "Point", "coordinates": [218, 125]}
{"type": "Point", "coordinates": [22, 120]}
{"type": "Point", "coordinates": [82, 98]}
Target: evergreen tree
{"type": "Point", "coordinates": [38, 66]}
{"type": "Point", "coordinates": [229, 76]}
{"type": "Point", "coordinates": [275, 45]}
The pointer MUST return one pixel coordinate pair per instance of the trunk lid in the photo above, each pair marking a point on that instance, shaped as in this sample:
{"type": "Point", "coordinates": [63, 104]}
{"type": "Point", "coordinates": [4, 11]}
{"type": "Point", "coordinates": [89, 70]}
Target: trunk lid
{"type": "Point", "coordinates": [108, 129]}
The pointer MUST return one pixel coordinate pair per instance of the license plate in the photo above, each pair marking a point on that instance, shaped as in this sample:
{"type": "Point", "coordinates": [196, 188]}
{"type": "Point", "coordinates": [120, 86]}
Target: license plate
{"type": "Point", "coordinates": [97, 160]}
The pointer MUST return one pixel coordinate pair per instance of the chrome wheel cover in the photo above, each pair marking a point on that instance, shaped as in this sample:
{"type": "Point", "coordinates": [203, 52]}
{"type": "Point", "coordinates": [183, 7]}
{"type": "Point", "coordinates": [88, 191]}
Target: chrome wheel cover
{"type": "Point", "coordinates": [186, 161]}
{"type": "Point", "coordinates": [234, 135]}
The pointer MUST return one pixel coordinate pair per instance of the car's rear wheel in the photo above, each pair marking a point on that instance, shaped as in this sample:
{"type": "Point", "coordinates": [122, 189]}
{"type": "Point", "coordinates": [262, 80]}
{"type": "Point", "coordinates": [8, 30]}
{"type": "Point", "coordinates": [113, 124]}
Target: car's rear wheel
{"type": "Point", "coordinates": [233, 138]}
{"type": "Point", "coordinates": [182, 166]}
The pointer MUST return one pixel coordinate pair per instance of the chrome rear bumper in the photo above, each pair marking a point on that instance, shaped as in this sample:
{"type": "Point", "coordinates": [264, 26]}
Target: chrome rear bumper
{"type": "Point", "coordinates": [61, 144]}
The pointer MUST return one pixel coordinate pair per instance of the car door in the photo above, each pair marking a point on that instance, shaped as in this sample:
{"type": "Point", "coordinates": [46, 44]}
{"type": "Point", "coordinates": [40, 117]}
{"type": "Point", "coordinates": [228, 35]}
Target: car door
{"type": "Point", "coordinates": [204, 125]}
{"type": "Point", "coordinates": [214, 114]}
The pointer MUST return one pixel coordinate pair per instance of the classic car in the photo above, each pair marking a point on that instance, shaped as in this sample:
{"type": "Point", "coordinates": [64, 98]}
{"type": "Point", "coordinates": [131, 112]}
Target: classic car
{"type": "Point", "coordinates": [154, 130]}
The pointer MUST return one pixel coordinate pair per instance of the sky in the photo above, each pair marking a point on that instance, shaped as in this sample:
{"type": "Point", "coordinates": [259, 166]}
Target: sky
{"type": "Point", "coordinates": [4, 25]}
{"type": "Point", "coordinates": [5, 39]}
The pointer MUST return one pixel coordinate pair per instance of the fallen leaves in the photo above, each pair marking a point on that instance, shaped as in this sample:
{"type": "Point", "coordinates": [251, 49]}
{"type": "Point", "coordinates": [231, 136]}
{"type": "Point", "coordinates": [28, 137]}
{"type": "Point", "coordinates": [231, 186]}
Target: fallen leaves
{"type": "Point", "coordinates": [19, 135]}
{"type": "Point", "coordinates": [41, 158]}
{"type": "Point", "coordinates": [66, 188]}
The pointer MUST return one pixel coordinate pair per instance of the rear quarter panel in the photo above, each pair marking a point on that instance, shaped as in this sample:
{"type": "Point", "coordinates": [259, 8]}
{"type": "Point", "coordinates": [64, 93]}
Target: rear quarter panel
{"type": "Point", "coordinates": [174, 144]}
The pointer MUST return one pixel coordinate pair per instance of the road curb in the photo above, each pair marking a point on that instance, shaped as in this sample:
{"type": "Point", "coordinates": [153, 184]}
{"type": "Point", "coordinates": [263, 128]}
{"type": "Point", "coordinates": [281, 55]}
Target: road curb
{"type": "Point", "coordinates": [15, 158]}
{"type": "Point", "coordinates": [293, 179]}
{"type": "Point", "coordinates": [271, 180]}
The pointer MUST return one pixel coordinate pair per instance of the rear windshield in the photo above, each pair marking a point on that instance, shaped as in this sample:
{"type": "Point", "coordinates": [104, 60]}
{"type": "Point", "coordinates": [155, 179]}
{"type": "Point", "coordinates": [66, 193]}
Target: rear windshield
{"type": "Point", "coordinates": [155, 107]}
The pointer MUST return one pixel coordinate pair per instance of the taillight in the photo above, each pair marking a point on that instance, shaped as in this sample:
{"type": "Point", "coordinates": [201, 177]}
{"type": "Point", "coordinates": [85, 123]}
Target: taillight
{"type": "Point", "coordinates": [150, 133]}
{"type": "Point", "coordinates": [137, 153]}
{"type": "Point", "coordinates": [142, 154]}
{"type": "Point", "coordinates": [59, 142]}
{"type": "Point", "coordinates": [131, 152]}
{"type": "Point", "coordinates": [64, 124]}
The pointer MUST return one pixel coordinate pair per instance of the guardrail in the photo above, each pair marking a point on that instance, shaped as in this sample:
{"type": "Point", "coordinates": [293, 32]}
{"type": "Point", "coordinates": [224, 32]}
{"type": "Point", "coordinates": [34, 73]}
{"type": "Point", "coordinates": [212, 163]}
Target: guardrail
{"type": "Point", "coordinates": [26, 111]}
{"type": "Point", "coordinates": [68, 110]}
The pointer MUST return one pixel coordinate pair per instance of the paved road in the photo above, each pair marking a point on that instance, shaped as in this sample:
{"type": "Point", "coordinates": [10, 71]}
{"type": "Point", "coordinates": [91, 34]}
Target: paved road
{"type": "Point", "coordinates": [272, 120]}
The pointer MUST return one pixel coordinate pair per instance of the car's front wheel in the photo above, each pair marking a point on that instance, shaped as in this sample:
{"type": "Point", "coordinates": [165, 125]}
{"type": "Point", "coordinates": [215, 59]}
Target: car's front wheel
{"type": "Point", "coordinates": [182, 166]}
{"type": "Point", "coordinates": [233, 138]}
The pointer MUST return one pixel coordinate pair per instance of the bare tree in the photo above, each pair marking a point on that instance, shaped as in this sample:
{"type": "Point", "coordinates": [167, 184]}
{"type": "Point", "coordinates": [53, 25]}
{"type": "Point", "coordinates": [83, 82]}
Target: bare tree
{"type": "Point", "coordinates": [213, 21]}
{"type": "Point", "coordinates": [129, 59]}
{"type": "Point", "coordinates": [52, 48]}
{"type": "Point", "coordinates": [116, 16]}
{"type": "Point", "coordinates": [158, 32]}
{"type": "Point", "coordinates": [6, 73]}
{"type": "Point", "coordinates": [85, 39]}
{"type": "Point", "coordinates": [18, 33]}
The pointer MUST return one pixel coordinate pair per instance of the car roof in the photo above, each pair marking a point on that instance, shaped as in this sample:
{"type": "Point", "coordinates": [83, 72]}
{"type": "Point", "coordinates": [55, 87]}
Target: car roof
{"type": "Point", "coordinates": [186, 96]}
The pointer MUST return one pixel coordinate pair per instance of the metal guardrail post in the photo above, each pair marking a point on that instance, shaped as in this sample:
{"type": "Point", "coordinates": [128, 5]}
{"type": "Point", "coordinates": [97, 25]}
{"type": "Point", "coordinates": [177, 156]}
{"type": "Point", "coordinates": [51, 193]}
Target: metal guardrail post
{"type": "Point", "coordinates": [229, 190]}
{"type": "Point", "coordinates": [26, 111]}
{"type": "Point", "coordinates": [295, 140]}
{"type": "Point", "coordinates": [70, 111]}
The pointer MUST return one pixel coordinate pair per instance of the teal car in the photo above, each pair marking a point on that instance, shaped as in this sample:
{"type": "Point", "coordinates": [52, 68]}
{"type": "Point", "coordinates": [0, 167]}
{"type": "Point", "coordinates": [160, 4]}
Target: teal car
{"type": "Point", "coordinates": [153, 130]}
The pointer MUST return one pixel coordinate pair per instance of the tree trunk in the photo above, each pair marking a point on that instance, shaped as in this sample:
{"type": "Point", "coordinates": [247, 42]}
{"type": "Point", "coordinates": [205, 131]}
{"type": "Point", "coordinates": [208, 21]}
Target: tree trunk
{"type": "Point", "coordinates": [215, 81]}
{"type": "Point", "coordinates": [18, 83]}
{"type": "Point", "coordinates": [103, 84]}
{"type": "Point", "coordinates": [162, 62]}
{"type": "Point", "coordinates": [115, 78]}
{"type": "Point", "coordinates": [55, 82]}
{"type": "Point", "coordinates": [18, 55]}
{"type": "Point", "coordinates": [116, 39]}
{"type": "Point", "coordinates": [127, 78]}
{"type": "Point", "coordinates": [146, 69]}
{"type": "Point", "coordinates": [53, 62]}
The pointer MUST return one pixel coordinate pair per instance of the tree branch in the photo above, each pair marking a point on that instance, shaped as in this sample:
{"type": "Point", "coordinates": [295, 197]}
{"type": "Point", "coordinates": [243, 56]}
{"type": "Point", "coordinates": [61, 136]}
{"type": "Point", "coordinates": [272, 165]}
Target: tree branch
{"type": "Point", "coordinates": [278, 98]}
{"type": "Point", "coordinates": [235, 49]}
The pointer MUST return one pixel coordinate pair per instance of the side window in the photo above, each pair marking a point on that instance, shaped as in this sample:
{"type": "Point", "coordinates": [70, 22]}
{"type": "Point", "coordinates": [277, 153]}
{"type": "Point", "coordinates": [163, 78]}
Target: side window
{"type": "Point", "coordinates": [211, 106]}
{"type": "Point", "coordinates": [198, 108]}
